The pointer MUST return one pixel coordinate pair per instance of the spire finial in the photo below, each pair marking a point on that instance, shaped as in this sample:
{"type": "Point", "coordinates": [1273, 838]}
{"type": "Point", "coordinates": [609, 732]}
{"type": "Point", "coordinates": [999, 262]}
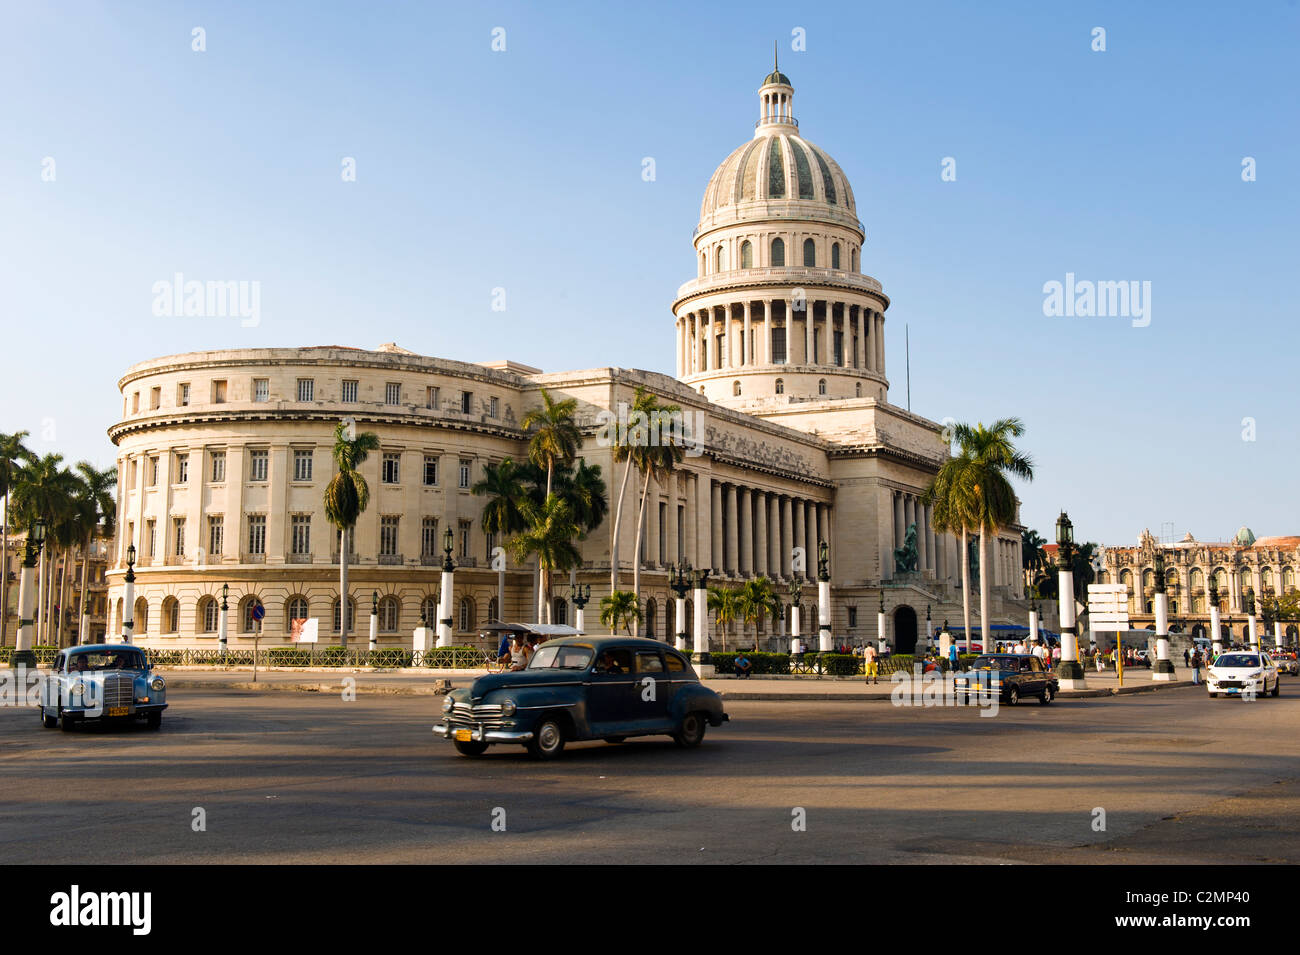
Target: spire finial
{"type": "Point", "coordinates": [776, 65]}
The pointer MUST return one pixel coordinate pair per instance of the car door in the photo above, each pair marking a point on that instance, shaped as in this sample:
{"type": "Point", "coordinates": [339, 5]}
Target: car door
{"type": "Point", "coordinates": [610, 691]}
{"type": "Point", "coordinates": [649, 705]}
{"type": "Point", "coordinates": [1038, 675]}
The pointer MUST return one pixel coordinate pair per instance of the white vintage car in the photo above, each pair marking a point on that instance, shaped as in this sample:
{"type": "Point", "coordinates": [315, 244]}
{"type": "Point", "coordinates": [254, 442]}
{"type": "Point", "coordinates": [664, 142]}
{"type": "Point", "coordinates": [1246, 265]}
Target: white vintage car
{"type": "Point", "coordinates": [1247, 673]}
{"type": "Point", "coordinates": [102, 682]}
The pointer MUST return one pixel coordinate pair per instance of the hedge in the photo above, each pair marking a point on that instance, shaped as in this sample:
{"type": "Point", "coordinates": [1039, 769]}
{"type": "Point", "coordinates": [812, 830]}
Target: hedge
{"type": "Point", "coordinates": [767, 663]}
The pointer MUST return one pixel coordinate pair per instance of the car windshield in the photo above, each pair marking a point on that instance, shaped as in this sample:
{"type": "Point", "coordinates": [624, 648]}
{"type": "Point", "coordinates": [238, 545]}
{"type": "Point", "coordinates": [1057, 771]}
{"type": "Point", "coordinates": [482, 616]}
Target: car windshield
{"type": "Point", "coordinates": [1237, 660]}
{"type": "Point", "coordinates": [106, 660]}
{"type": "Point", "coordinates": [561, 658]}
{"type": "Point", "coordinates": [996, 663]}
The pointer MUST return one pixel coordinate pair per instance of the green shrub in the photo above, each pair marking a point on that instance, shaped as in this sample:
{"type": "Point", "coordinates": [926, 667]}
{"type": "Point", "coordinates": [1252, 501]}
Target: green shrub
{"type": "Point", "coordinates": [767, 663]}
{"type": "Point", "coordinates": [840, 664]}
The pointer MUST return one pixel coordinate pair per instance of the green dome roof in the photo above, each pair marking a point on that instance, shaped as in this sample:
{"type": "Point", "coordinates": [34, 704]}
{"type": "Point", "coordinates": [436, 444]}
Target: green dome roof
{"type": "Point", "coordinates": [776, 76]}
{"type": "Point", "coordinates": [1245, 537]}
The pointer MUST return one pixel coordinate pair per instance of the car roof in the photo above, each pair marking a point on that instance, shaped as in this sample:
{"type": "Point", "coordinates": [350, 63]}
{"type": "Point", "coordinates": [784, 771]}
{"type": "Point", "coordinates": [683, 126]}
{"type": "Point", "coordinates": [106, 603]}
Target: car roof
{"type": "Point", "coordinates": [605, 643]}
{"type": "Point", "coordinates": [100, 647]}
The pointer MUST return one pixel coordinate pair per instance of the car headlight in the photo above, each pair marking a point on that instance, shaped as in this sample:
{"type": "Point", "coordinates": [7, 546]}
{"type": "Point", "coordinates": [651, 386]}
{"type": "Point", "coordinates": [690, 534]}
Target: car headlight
{"type": "Point", "coordinates": [447, 704]}
{"type": "Point", "coordinates": [157, 684]}
{"type": "Point", "coordinates": [77, 688]}
{"type": "Point", "coordinates": [508, 708]}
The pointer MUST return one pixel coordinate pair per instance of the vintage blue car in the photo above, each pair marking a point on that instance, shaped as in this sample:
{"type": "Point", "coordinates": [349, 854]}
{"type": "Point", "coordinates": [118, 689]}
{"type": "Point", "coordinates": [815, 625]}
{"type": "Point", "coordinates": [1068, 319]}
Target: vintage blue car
{"type": "Point", "coordinates": [583, 688]}
{"type": "Point", "coordinates": [102, 682]}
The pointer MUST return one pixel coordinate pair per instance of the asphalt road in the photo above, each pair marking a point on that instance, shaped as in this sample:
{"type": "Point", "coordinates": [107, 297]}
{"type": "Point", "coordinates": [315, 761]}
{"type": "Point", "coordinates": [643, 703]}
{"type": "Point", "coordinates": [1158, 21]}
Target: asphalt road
{"type": "Point", "coordinates": [308, 778]}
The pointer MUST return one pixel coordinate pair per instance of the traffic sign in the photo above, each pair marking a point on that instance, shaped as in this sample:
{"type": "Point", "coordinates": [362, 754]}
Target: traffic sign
{"type": "Point", "coordinates": [259, 612]}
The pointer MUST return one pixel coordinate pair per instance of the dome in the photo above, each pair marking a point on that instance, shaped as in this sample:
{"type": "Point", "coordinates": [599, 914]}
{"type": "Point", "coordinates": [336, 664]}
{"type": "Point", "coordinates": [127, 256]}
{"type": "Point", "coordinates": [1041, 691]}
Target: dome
{"type": "Point", "coordinates": [1245, 537]}
{"type": "Point", "coordinates": [776, 76]}
{"type": "Point", "coordinates": [780, 166]}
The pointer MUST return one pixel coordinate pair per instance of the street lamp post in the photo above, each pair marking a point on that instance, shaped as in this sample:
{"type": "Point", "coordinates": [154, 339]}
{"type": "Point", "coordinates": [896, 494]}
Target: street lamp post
{"type": "Point", "coordinates": [1216, 635]}
{"type": "Point", "coordinates": [128, 596]}
{"type": "Point", "coordinates": [225, 611]}
{"type": "Point", "coordinates": [448, 580]}
{"type": "Point", "coordinates": [1070, 674]}
{"type": "Point", "coordinates": [679, 582]}
{"type": "Point", "coordinates": [1254, 620]}
{"type": "Point", "coordinates": [1033, 619]}
{"type": "Point", "coordinates": [796, 609]}
{"type": "Point", "coordinates": [825, 642]}
{"type": "Point", "coordinates": [374, 620]}
{"type": "Point", "coordinates": [24, 655]}
{"type": "Point", "coordinates": [882, 623]}
{"type": "Point", "coordinates": [701, 658]}
{"type": "Point", "coordinates": [1163, 671]}
{"type": "Point", "coordinates": [580, 596]}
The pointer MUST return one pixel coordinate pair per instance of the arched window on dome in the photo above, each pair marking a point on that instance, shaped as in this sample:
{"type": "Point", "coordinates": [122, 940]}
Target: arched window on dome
{"type": "Point", "coordinates": [778, 252]}
{"type": "Point", "coordinates": [858, 388]}
{"type": "Point", "coordinates": [746, 255]}
{"type": "Point", "coordinates": [720, 259]}
{"type": "Point", "coordinates": [704, 263]}
{"type": "Point", "coordinates": [735, 388]}
{"type": "Point", "coordinates": [780, 386]}
{"type": "Point", "coordinates": [821, 386]}
{"type": "Point", "coordinates": [853, 260]}
{"type": "Point", "coordinates": [835, 255]}
{"type": "Point", "coordinates": [809, 253]}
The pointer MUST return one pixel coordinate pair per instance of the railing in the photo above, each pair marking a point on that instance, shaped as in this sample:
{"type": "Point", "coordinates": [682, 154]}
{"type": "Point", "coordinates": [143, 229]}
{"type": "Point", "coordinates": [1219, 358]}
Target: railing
{"type": "Point", "coordinates": [299, 558]}
{"type": "Point", "coordinates": [390, 559]}
{"type": "Point", "coordinates": [445, 658]}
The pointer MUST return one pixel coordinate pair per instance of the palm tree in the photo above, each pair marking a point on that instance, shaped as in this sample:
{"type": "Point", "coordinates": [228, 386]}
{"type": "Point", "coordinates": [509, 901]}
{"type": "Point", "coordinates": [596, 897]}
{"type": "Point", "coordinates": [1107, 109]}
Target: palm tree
{"type": "Point", "coordinates": [954, 513]}
{"type": "Point", "coordinates": [993, 457]}
{"type": "Point", "coordinates": [44, 491]}
{"type": "Point", "coordinates": [584, 489]}
{"type": "Point", "coordinates": [13, 454]}
{"type": "Point", "coordinates": [346, 497]}
{"type": "Point", "coordinates": [757, 599]}
{"type": "Point", "coordinates": [655, 460]}
{"type": "Point", "coordinates": [620, 607]}
{"type": "Point", "coordinates": [725, 604]}
{"type": "Point", "coordinates": [504, 487]}
{"type": "Point", "coordinates": [1033, 558]}
{"type": "Point", "coordinates": [65, 534]}
{"type": "Point", "coordinates": [626, 451]}
{"type": "Point", "coordinates": [98, 511]}
{"type": "Point", "coordinates": [556, 438]}
{"type": "Point", "coordinates": [549, 534]}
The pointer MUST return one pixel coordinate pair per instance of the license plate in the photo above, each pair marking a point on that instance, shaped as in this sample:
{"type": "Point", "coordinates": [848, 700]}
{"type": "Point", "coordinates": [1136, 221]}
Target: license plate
{"type": "Point", "coordinates": [118, 710]}
{"type": "Point", "coordinates": [463, 736]}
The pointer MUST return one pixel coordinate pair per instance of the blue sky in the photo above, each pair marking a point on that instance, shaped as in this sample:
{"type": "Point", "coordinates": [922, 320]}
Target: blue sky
{"type": "Point", "coordinates": [522, 170]}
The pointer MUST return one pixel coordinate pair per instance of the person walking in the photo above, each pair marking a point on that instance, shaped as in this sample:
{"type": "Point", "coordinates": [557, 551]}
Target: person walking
{"type": "Point", "coordinates": [1195, 663]}
{"type": "Point", "coordinates": [869, 665]}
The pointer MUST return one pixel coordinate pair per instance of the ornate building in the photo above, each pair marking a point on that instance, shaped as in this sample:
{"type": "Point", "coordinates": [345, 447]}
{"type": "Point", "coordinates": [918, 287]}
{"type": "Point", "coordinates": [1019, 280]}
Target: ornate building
{"type": "Point", "coordinates": [224, 455]}
{"type": "Point", "coordinates": [1265, 566]}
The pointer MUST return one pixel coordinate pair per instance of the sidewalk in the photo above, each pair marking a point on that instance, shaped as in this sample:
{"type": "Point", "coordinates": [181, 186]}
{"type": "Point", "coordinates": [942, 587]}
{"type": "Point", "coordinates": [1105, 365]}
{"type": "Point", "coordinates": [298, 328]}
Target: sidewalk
{"type": "Point", "coordinates": [435, 682]}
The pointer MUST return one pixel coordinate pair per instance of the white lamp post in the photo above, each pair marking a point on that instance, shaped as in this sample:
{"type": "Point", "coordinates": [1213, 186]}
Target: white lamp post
{"type": "Point", "coordinates": [1216, 628]}
{"type": "Point", "coordinates": [701, 658]}
{"type": "Point", "coordinates": [680, 584]}
{"type": "Point", "coordinates": [796, 610]}
{"type": "Point", "coordinates": [225, 611]}
{"type": "Point", "coordinates": [882, 623]}
{"type": "Point", "coordinates": [824, 639]}
{"type": "Point", "coordinates": [128, 596]}
{"type": "Point", "coordinates": [1070, 673]}
{"type": "Point", "coordinates": [445, 598]}
{"type": "Point", "coordinates": [1163, 671]}
{"type": "Point", "coordinates": [1254, 620]}
{"type": "Point", "coordinates": [374, 620]}
{"type": "Point", "coordinates": [580, 596]}
{"type": "Point", "coordinates": [24, 655]}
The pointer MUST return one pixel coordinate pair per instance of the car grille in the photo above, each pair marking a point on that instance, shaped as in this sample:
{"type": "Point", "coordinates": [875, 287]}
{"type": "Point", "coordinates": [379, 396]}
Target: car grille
{"type": "Point", "coordinates": [118, 689]}
{"type": "Point", "coordinates": [488, 714]}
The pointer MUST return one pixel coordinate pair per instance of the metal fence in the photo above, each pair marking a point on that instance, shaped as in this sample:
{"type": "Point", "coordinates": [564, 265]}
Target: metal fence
{"type": "Point", "coordinates": [445, 658]}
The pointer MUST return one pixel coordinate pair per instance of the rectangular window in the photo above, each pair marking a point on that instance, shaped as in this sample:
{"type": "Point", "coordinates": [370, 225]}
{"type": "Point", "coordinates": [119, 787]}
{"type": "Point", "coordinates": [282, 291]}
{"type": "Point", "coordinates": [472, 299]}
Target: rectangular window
{"type": "Point", "coordinates": [681, 534]}
{"type": "Point", "coordinates": [490, 541]}
{"type": "Point", "coordinates": [183, 394]}
{"type": "Point", "coordinates": [218, 471]}
{"type": "Point", "coordinates": [663, 534]}
{"type": "Point", "coordinates": [182, 469]}
{"type": "Point", "coordinates": [464, 475]}
{"type": "Point", "coordinates": [388, 535]}
{"type": "Point", "coordinates": [853, 617]}
{"type": "Point", "coordinates": [261, 389]}
{"type": "Point", "coordinates": [392, 393]}
{"type": "Point", "coordinates": [465, 531]}
{"type": "Point", "coordinates": [257, 465]}
{"type": "Point", "coordinates": [135, 403]}
{"type": "Point", "coordinates": [429, 537]}
{"type": "Point", "coordinates": [493, 407]}
{"type": "Point", "coordinates": [466, 401]}
{"type": "Point", "coordinates": [391, 473]}
{"type": "Point", "coordinates": [178, 533]}
{"type": "Point", "coordinates": [155, 398]}
{"type": "Point", "coordinates": [430, 470]}
{"type": "Point", "coordinates": [302, 465]}
{"type": "Point", "coordinates": [431, 397]}
{"type": "Point", "coordinates": [151, 535]}
{"type": "Point", "coordinates": [256, 533]}
{"type": "Point", "coordinates": [839, 348]}
{"type": "Point", "coordinates": [349, 390]}
{"type": "Point", "coordinates": [778, 346]}
{"type": "Point", "coordinates": [301, 531]}
{"type": "Point", "coordinates": [306, 389]}
{"type": "Point", "coordinates": [153, 471]}
{"type": "Point", "coordinates": [216, 535]}
{"type": "Point", "coordinates": [219, 392]}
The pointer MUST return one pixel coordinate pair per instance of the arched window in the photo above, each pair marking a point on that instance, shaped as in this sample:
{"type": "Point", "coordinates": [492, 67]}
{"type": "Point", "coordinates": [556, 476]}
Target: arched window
{"type": "Point", "coordinates": [780, 386]}
{"type": "Point", "coordinates": [1126, 578]}
{"type": "Point", "coordinates": [690, 620]}
{"type": "Point", "coordinates": [352, 616]}
{"type": "Point", "coordinates": [209, 614]}
{"type": "Point", "coordinates": [809, 253]}
{"type": "Point", "coordinates": [559, 610]}
{"type": "Point", "coordinates": [494, 612]}
{"type": "Point", "coordinates": [429, 610]}
{"type": "Point", "coordinates": [141, 615]}
{"type": "Point", "coordinates": [171, 615]}
{"type": "Point", "coordinates": [735, 388]}
{"type": "Point", "coordinates": [1266, 578]}
{"type": "Point", "coordinates": [857, 388]}
{"type": "Point", "coordinates": [1288, 579]}
{"type": "Point", "coordinates": [746, 255]}
{"type": "Point", "coordinates": [1148, 579]}
{"type": "Point", "coordinates": [853, 260]}
{"type": "Point", "coordinates": [778, 252]}
{"type": "Point", "coordinates": [720, 259]}
{"type": "Point", "coordinates": [703, 263]}
{"type": "Point", "coordinates": [389, 613]}
{"type": "Point", "coordinates": [466, 616]}
{"type": "Point", "coordinates": [650, 617]}
{"type": "Point", "coordinates": [821, 386]}
{"type": "Point", "coordinates": [835, 255]}
{"type": "Point", "coordinates": [295, 608]}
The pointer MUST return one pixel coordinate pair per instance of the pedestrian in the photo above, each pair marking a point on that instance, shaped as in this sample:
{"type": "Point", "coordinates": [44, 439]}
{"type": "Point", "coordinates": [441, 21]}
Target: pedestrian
{"type": "Point", "coordinates": [870, 667]}
{"type": "Point", "coordinates": [952, 658]}
{"type": "Point", "coordinates": [1195, 662]}
{"type": "Point", "coordinates": [1056, 655]}
{"type": "Point", "coordinates": [1187, 658]}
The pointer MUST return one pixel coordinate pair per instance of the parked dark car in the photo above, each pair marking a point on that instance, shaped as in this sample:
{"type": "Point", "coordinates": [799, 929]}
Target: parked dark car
{"type": "Point", "coordinates": [1013, 676]}
{"type": "Point", "coordinates": [583, 688]}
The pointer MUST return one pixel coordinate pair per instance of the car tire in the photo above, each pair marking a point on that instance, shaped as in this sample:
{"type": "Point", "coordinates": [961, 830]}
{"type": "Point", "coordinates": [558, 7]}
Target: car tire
{"type": "Point", "coordinates": [1013, 696]}
{"type": "Point", "coordinates": [49, 722]}
{"type": "Point", "coordinates": [548, 739]}
{"type": "Point", "coordinates": [615, 739]}
{"type": "Point", "coordinates": [470, 749]}
{"type": "Point", "coordinates": [153, 721]}
{"type": "Point", "coordinates": [67, 722]}
{"type": "Point", "coordinates": [691, 732]}
{"type": "Point", "coordinates": [1047, 696]}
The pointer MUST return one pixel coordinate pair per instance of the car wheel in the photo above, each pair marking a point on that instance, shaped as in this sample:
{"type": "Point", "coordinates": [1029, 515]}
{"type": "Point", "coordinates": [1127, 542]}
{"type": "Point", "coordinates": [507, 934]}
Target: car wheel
{"type": "Point", "coordinates": [49, 722]}
{"type": "Point", "coordinates": [1046, 697]}
{"type": "Point", "coordinates": [691, 733]}
{"type": "Point", "coordinates": [67, 722]}
{"type": "Point", "coordinates": [1277, 687]}
{"type": "Point", "coordinates": [153, 720]}
{"type": "Point", "coordinates": [548, 739]}
{"type": "Point", "coordinates": [470, 749]}
{"type": "Point", "coordinates": [1013, 696]}
{"type": "Point", "coordinates": [615, 739]}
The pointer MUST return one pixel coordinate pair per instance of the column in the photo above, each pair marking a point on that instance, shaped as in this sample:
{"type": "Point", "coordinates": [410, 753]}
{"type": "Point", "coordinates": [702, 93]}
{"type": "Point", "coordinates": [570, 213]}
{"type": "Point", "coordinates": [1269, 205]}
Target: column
{"type": "Point", "coordinates": [679, 347]}
{"type": "Point", "coordinates": [880, 343]}
{"type": "Point", "coordinates": [747, 349]}
{"type": "Point", "coordinates": [857, 339]}
{"type": "Point", "coordinates": [899, 529]}
{"type": "Point", "coordinates": [800, 535]}
{"type": "Point", "coordinates": [746, 533]}
{"type": "Point", "coordinates": [773, 535]}
{"type": "Point", "coordinates": [828, 335]}
{"type": "Point", "coordinates": [869, 341]}
{"type": "Point", "coordinates": [922, 541]}
{"type": "Point", "coordinates": [671, 544]}
{"type": "Point", "coordinates": [716, 522]}
{"type": "Point", "coordinates": [810, 532]}
{"type": "Point", "coordinates": [760, 533]}
{"type": "Point", "coordinates": [652, 523]}
{"type": "Point", "coordinates": [733, 542]}
{"type": "Point", "coordinates": [728, 344]}
{"type": "Point", "coordinates": [807, 332]}
{"type": "Point", "coordinates": [764, 356]}
{"type": "Point", "coordinates": [787, 539]}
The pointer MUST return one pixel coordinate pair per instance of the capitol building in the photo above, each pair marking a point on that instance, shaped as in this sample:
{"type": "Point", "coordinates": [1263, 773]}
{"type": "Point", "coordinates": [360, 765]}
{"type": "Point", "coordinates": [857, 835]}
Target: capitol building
{"type": "Point", "coordinates": [223, 456]}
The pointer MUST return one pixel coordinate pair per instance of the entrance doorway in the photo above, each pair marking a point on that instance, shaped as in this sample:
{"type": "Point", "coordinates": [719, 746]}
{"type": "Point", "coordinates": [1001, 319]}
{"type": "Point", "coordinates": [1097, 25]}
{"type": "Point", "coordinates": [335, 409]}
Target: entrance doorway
{"type": "Point", "coordinates": [904, 630]}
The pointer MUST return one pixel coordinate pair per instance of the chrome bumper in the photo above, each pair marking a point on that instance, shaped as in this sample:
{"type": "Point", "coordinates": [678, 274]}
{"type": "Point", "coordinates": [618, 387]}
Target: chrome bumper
{"type": "Point", "coordinates": [478, 734]}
